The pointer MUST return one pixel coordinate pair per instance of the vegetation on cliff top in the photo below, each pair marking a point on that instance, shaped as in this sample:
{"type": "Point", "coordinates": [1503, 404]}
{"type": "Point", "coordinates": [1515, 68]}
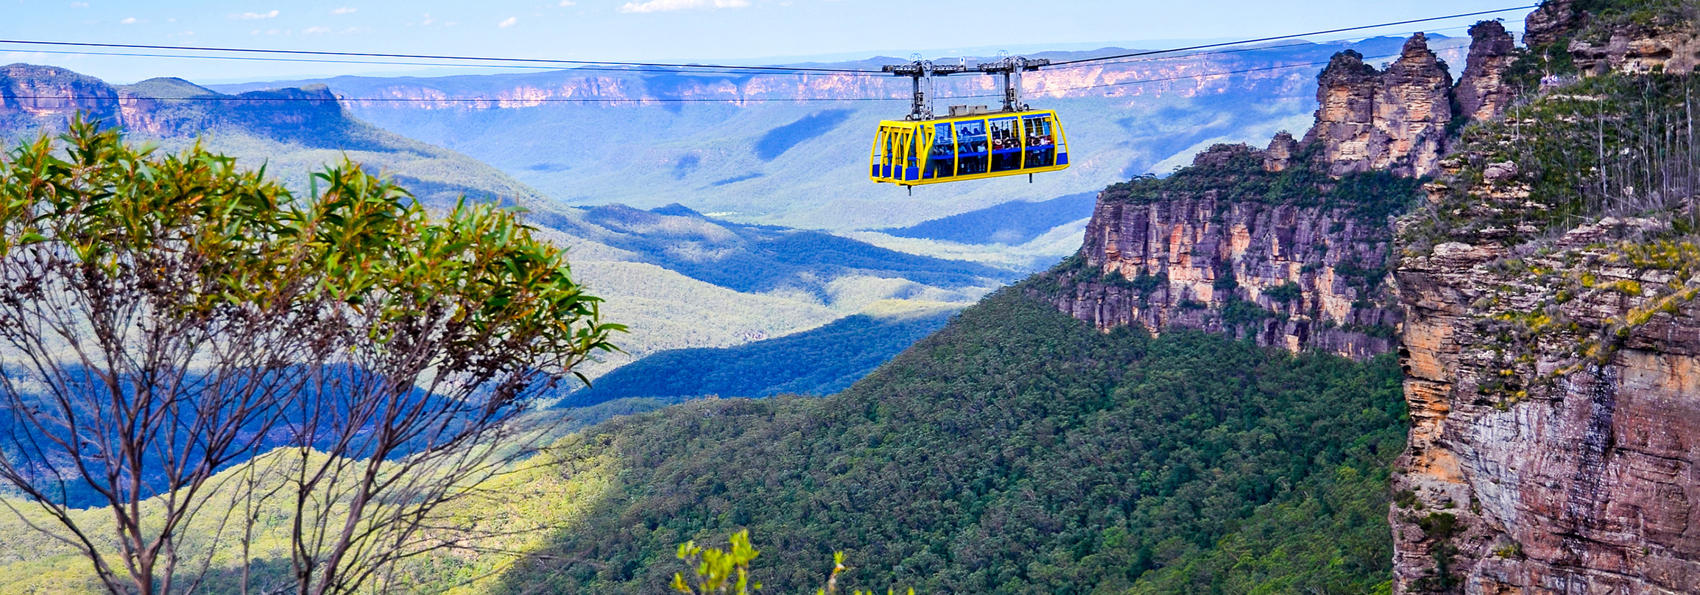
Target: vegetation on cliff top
{"type": "Point", "coordinates": [1236, 173]}
{"type": "Point", "coordinates": [1606, 145]}
{"type": "Point", "coordinates": [1612, 158]}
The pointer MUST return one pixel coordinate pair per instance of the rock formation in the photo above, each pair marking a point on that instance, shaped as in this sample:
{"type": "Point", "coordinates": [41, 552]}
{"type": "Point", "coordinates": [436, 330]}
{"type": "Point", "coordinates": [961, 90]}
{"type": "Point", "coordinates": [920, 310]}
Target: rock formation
{"type": "Point", "coordinates": [44, 98]}
{"type": "Point", "coordinates": [1345, 117]}
{"type": "Point", "coordinates": [1280, 153]}
{"type": "Point", "coordinates": [1482, 94]}
{"type": "Point", "coordinates": [1630, 38]}
{"type": "Point", "coordinates": [1394, 120]}
{"type": "Point", "coordinates": [1552, 366]}
{"type": "Point", "coordinates": [37, 92]}
{"type": "Point", "coordinates": [1638, 51]}
{"type": "Point", "coordinates": [1550, 21]}
{"type": "Point", "coordinates": [1289, 276]}
{"type": "Point", "coordinates": [1589, 486]}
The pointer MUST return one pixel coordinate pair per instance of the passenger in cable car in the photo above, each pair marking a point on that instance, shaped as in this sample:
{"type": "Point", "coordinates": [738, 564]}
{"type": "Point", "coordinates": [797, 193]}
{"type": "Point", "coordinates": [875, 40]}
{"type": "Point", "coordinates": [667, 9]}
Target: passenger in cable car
{"type": "Point", "coordinates": [943, 154]}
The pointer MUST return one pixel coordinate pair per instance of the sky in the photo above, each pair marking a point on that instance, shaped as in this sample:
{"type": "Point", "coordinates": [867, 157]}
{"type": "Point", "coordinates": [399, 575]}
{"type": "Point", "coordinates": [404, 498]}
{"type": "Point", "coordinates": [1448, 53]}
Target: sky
{"type": "Point", "coordinates": [710, 31]}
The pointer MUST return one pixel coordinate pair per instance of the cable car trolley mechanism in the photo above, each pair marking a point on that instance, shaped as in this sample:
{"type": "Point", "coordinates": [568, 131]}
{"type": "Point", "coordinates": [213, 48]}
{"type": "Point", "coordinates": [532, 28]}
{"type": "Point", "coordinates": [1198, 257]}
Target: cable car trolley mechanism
{"type": "Point", "coordinates": [972, 142]}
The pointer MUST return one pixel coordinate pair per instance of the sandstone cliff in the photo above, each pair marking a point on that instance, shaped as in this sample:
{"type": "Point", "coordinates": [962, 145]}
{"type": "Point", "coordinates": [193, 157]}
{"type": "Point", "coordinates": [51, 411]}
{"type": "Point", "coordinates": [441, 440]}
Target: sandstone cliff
{"type": "Point", "coordinates": [35, 92]}
{"type": "Point", "coordinates": [1250, 243]}
{"type": "Point", "coordinates": [1393, 120]}
{"type": "Point", "coordinates": [1551, 337]}
{"type": "Point", "coordinates": [44, 98]}
{"type": "Point", "coordinates": [1483, 93]}
{"type": "Point", "coordinates": [1288, 245]}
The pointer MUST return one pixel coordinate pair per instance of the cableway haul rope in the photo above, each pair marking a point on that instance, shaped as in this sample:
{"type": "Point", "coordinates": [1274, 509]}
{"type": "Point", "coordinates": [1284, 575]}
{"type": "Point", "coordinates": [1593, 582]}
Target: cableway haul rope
{"type": "Point", "coordinates": [235, 98]}
{"type": "Point", "coordinates": [971, 142]}
{"type": "Point", "coordinates": [803, 69]}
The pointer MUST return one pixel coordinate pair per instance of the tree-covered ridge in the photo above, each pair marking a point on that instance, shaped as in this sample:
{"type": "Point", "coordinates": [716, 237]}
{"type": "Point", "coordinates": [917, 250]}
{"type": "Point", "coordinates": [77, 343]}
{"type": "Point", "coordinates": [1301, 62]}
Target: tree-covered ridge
{"type": "Point", "coordinates": [1236, 173]}
{"type": "Point", "coordinates": [1016, 451]}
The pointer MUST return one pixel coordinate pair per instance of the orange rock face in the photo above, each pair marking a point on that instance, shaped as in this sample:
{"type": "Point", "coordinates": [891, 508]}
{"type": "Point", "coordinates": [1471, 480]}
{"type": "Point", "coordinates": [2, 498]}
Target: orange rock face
{"type": "Point", "coordinates": [1482, 94]}
{"type": "Point", "coordinates": [1393, 120]}
{"type": "Point", "coordinates": [1589, 485]}
{"type": "Point", "coordinates": [1179, 263]}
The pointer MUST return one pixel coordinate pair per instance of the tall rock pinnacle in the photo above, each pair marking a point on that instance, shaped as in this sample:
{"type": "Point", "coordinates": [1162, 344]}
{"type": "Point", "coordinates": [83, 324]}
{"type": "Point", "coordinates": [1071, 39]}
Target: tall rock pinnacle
{"type": "Point", "coordinates": [1393, 120]}
{"type": "Point", "coordinates": [1481, 92]}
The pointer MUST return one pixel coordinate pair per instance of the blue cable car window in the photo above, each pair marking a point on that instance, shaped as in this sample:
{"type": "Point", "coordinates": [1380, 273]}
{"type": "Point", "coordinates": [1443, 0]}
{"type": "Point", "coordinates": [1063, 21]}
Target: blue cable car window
{"type": "Point", "coordinates": [1041, 145]}
{"type": "Point", "coordinates": [941, 159]}
{"type": "Point", "coordinates": [971, 147]}
{"type": "Point", "coordinates": [1006, 144]}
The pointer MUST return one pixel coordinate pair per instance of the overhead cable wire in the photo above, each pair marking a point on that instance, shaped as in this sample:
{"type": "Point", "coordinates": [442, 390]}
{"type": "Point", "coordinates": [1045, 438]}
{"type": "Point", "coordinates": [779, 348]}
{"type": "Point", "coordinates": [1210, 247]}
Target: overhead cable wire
{"type": "Point", "coordinates": [438, 64]}
{"type": "Point", "coordinates": [1281, 37]}
{"type": "Point", "coordinates": [132, 46]}
{"type": "Point", "coordinates": [247, 99]}
{"type": "Point", "coordinates": [242, 99]}
{"type": "Point", "coordinates": [797, 69]}
{"type": "Point", "coordinates": [1238, 50]}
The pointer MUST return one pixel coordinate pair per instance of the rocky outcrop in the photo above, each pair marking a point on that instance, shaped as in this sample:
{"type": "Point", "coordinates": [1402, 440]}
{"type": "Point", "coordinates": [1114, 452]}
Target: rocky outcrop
{"type": "Point", "coordinates": [1393, 120]}
{"type": "Point", "coordinates": [1550, 22]}
{"type": "Point", "coordinates": [1520, 480]}
{"type": "Point", "coordinates": [1638, 51]}
{"type": "Point", "coordinates": [1296, 277]}
{"type": "Point", "coordinates": [1280, 153]}
{"type": "Point", "coordinates": [30, 92]}
{"type": "Point", "coordinates": [1606, 37]}
{"type": "Point", "coordinates": [1552, 363]}
{"type": "Point", "coordinates": [1286, 271]}
{"type": "Point", "coordinates": [45, 98]}
{"type": "Point", "coordinates": [1482, 93]}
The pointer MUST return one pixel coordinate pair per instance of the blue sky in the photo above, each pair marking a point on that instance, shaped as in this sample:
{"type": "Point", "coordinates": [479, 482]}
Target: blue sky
{"type": "Point", "coordinates": [660, 30]}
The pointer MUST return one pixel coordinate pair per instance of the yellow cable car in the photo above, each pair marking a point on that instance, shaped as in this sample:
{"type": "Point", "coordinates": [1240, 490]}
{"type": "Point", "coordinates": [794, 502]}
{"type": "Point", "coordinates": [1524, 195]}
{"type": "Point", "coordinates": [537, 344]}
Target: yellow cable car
{"type": "Point", "coordinates": [972, 142]}
{"type": "Point", "coordinates": [968, 147]}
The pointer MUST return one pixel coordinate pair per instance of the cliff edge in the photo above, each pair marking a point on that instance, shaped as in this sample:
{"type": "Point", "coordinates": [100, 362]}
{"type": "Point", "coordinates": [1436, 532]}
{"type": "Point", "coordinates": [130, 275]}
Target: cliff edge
{"type": "Point", "coordinates": [1551, 340]}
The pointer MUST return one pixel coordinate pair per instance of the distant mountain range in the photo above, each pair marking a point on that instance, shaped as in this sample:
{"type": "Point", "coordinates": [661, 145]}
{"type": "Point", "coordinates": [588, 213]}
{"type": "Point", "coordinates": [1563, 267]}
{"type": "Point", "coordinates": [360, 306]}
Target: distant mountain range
{"type": "Point", "coordinates": [821, 361]}
{"type": "Point", "coordinates": [678, 278]}
{"type": "Point", "coordinates": [789, 149]}
{"type": "Point", "coordinates": [290, 131]}
{"type": "Point", "coordinates": [1011, 223]}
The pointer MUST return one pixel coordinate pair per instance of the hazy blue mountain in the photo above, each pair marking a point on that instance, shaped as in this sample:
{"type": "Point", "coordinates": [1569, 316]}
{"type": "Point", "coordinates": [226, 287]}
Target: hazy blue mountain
{"type": "Point", "coordinates": [742, 147]}
{"type": "Point", "coordinates": [822, 361]}
{"type": "Point", "coordinates": [678, 279]}
{"type": "Point", "coordinates": [759, 258]}
{"type": "Point", "coordinates": [1011, 223]}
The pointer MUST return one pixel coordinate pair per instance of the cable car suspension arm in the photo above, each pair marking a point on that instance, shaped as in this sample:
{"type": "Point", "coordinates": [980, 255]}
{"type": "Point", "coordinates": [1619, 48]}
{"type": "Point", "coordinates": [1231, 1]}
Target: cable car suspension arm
{"type": "Point", "coordinates": [921, 72]}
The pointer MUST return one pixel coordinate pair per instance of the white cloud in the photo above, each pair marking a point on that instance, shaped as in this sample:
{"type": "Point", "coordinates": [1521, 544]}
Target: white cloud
{"type": "Point", "coordinates": [508, 23]}
{"type": "Point", "coordinates": [250, 16]}
{"type": "Point", "coordinates": [315, 30]}
{"type": "Point", "coordinates": [344, 10]}
{"type": "Point", "coordinates": [673, 5]}
{"type": "Point", "coordinates": [79, 5]}
{"type": "Point", "coordinates": [131, 21]}
{"type": "Point", "coordinates": [428, 19]}
{"type": "Point", "coordinates": [563, 3]}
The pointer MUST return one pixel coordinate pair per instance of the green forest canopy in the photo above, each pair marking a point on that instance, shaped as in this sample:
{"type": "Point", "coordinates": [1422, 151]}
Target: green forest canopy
{"type": "Point", "coordinates": [1016, 451]}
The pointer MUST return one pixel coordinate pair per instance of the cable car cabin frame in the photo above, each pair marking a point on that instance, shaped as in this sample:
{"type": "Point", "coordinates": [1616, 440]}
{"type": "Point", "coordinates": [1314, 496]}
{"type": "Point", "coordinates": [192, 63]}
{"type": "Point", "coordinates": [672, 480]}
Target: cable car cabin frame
{"type": "Point", "coordinates": [971, 143]}
{"type": "Point", "coordinates": [954, 149]}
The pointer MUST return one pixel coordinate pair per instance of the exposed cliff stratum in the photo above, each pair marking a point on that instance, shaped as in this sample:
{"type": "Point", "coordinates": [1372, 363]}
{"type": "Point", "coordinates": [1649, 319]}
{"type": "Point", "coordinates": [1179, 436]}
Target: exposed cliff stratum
{"type": "Point", "coordinates": [1530, 231]}
{"type": "Point", "coordinates": [1551, 340]}
{"type": "Point", "coordinates": [1289, 245]}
